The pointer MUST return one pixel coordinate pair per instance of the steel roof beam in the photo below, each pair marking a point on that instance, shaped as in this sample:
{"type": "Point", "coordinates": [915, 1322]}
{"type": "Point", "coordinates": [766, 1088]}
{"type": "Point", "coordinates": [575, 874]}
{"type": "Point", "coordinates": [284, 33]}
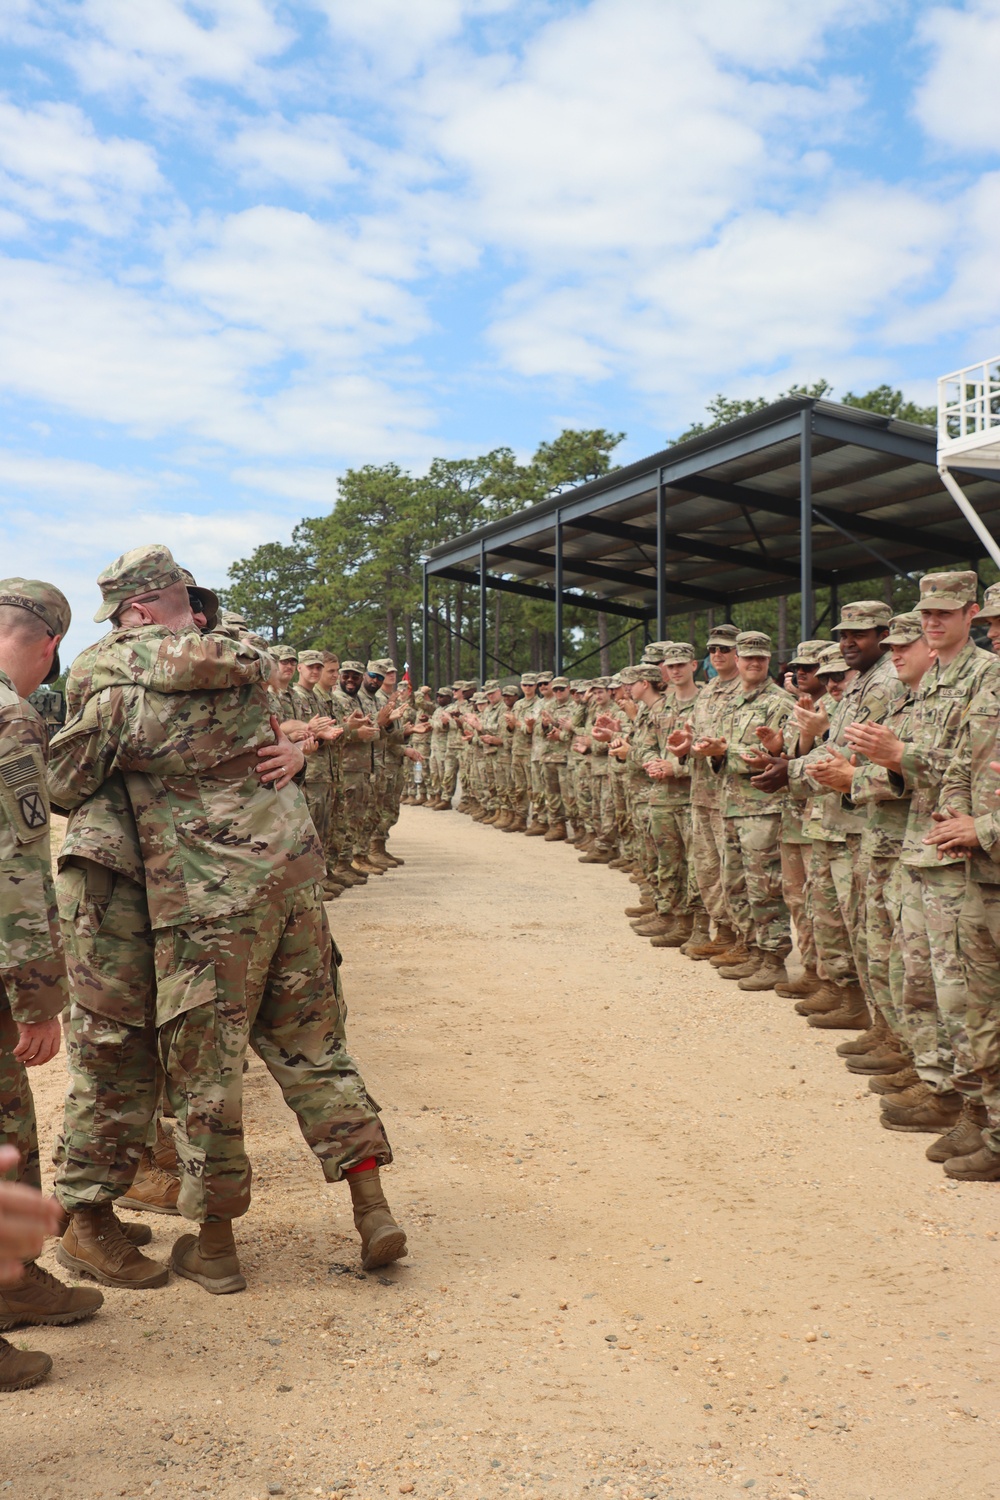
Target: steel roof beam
{"type": "Point", "coordinates": [588, 569]}
{"type": "Point", "coordinates": [542, 591]}
{"type": "Point", "coordinates": [693, 547]}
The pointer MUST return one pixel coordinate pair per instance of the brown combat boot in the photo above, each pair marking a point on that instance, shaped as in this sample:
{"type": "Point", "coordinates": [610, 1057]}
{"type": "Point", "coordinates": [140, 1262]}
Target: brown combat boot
{"type": "Point", "coordinates": [40, 1300]}
{"type": "Point", "coordinates": [535, 830]}
{"type": "Point", "coordinates": [828, 997]}
{"type": "Point", "coordinates": [701, 932]}
{"type": "Point", "coordinates": [935, 1114]}
{"type": "Point", "coordinates": [886, 1060]}
{"type": "Point", "coordinates": [164, 1149]}
{"type": "Point", "coordinates": [209, 1258]}
{"type": "Point", "coordinates": [21, 1368]}
{"type": "Point", "coordinates": [725, 938]}
{"type": "Point", "coordinates": [676, 936]}
{"type": "Point", "coordinates": [359, 872]}
{"type": "Point", "coordinates": [853, 1014]}
{"type": "Point", "coordinates": [736, 953]}
{"type": "Point", "coordinates": [769, 972]}
{"type": "Point", "coordinates": [982, 1166]}
{"type": "Point", "coordinates": [595, 857]}
{"type": "Point", "coordinates": [872, 1040]}
{"type": "Point", "coordinates": [363, 863]}
{"type": "Point", "coordinates": [654, 924]}
{"type": "Point", "coordinates": [555, 833]}
{"type": "Point", "coordinates": [377, 855]}
{"type": "Point", "coordinates": [153, 1191]}
{"type": "Point", "coordinates": [94, 1245]}
{"type": "Point", "coordinates": [138, 1234]}
{"type": "Point", "coordinates": [964, 1139]}
{"type": "Point", "coordinates": [646, 909]}
{"type": "Point", "coordinates": [345, 876]}
{"type": "Point", "coordinates": [505, 819]}
{"type": "Point", "coordinates": [799, 989]}
{"type": "Point", "coordinates": [742, 968]}
{"type": "Point", "coordinates": [518, 826]}
{"type": "Point", "coordinates": [894, 1083]}
{"type": "Point", "coordinates": [382, 1240]}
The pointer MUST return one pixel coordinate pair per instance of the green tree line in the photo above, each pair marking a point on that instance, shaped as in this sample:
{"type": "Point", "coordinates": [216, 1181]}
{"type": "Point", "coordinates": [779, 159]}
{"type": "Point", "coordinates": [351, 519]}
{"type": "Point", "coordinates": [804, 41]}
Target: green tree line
{"type": "Point", "coordinates": [352, 579]}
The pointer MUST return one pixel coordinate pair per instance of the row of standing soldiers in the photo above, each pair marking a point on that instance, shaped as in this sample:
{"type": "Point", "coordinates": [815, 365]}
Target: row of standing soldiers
{"type": "Point", "coordinates": [849, 814]}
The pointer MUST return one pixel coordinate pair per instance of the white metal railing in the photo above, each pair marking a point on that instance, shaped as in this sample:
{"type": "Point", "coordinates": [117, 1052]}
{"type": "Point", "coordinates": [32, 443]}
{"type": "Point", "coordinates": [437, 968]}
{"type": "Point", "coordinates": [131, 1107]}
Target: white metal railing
{"type": "Point", "coordinates": [969, 405]}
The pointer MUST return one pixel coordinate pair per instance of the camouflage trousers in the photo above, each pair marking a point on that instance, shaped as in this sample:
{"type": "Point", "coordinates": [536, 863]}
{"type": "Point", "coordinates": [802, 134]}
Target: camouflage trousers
{"type": "Point", "coordinates": [265, 979]}
{"type": "Point", "coordinates": [505, 789]}
{"type": "Point", "coordinates": [829, 892]}
{"type": "Point", "coordinates": [798, 898]}
{"type": "Point", "coordinates": [17, 1108]}
{"type": "Point", "coordinates": [675, 884]}
{"type": "Point", "coordinates": [435, 776]}
{"type": "Point", "coordinates": [357, 792]}
{"type": "Point", "coordinates": [751, 875]}
{"type": "Point", "coordinates": [603, 813]}
{"type": "Point", "coordinates": [567, 796]}
{"type": "Point", "coordinates": [373, 806]}
{"type": "Point", "coordinates": [935, 996]}
{"type": "Point", "coordinates": [319, 800]}
{"type": "Point", "coordinates": [395, 775]}
{"type": "Point", "coordinates": [555, 807]}
{"type": "Point", "coordinates": [977, 1041]}
{"type": "Point", "coordinates": [520, 786]}
{"type": "Point", "coordinates": [647, 855]}
{"type": "Point", "coordinates": [538, 792]}
{"type": "Point", "coordinates": [883, 899]}
{"type": "Point", "coordinates": [584, 792]}
{"type": "Point", "coordinates": [490, 783]}
{"type": "Point", "coordinates": [333, 844]}
{"type": "Point", "coordinates": [707, 843]}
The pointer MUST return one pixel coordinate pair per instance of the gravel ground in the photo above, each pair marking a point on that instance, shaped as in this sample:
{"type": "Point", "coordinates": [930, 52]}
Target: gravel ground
{"type": "Point", "coordinates": [659, 1245]}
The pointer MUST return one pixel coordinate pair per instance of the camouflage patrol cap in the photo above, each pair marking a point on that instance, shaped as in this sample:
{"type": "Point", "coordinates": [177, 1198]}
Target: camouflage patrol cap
{"type": "Point", "coordinates": [581, 685]}
{"type": "Point", "coordinates": [753, 643]}
{"type": "Point", "coordinates": [991, 603]}
{"type": "Point", "coordinates": [529, 679]}
{"type": "Point", "coordinates": [601, 682]}
{"type": "Point", "coordinates": [209, 600]}
{"type": "Point", "coordinates": [545, 676]}
{"type": "Point", "coordinates": [141, 570]}
{"type": "Point", "coordinates": [560, 682]}
{"type": "Point", "coordinates": [905, 629]}
{"type": "Point", "coordinates": [374, 669]}
{"type": "Point", "coordinates": [947, 590]}
{"type": "Point", "coordinates": [653, 653]}
{"type": "Point", "coordinates": [722, 635]}
{"type": "Point", "coordinates": [479, 697]}
{"type": "Point", "coordinates": [627, 676]}
{"type": "Point", "coordinates": [510, 690]}
{"type": "Point", "coordinates": [491, 685]}
{"type": "Point", "coordinates": [385, 665]}
{"type": "Point", "coordinates": [679, 651]}
{"type": "Point", "coordinates": [445, 692]}
{"type": "Point", "coordinates": [867, 614]}
{"type": "Point", "coordinates": [647, 671]}
{"type": "Point", "coordinates": [230, 617]}
{"type": "Point", "coordinates": [615, 681]}
{"type": "Point", "coordinates": [831, 661]}
{"type": "Point", "coordinates": [312, 659]}
{"type": "Point", "coordinates": [45, 602]}
{"type": "Point", "coordinates": [808, 653]}
{"type": "Point", "coordinates": [284, 653]}
{"type": "Point", "coordinates": [351, 665]}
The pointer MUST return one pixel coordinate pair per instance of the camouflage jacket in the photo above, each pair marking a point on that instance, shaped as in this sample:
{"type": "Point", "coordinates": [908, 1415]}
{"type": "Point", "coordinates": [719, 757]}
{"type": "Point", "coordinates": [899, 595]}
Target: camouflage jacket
{"type": "Point", "coordinates": [307, 704]}
{"type": "Point", "coordinates": [675, 791]}
{"type": "Point", "coordinates": [214, 840]}
{"type": "Point", "coordinates": [524, 716]}
{"type": "Point", "coordinates": [641, 745]}
{"type": "Point", "coordinates": [601, 761]}
{"type": "Point", "coordinates": [355, 754]}
{"type": "Point", "coordinates": [942, 699]}
{"type": "Point", "coordinates": [748, 710]}
{"type": "Point", "coordinates": [881, 794]}
{"type": "Point", "coordinates": [491, 722]}
{"type": "Point", "coordinates": [557, 751]}
{"type": "Point", "coordinates": [32, 966]}
{"type": "Point", "coordinates": [708, 712]}
{"type": "Point", "coordinates": [440, 727]}
{"type": "Point", "coordinates": [865, 701]}
{"type": "Point", "coordinates": [970, 785]}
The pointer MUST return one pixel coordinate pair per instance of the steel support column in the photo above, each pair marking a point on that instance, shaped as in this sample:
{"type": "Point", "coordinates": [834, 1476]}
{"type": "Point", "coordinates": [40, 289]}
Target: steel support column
{"type": "Point", "coordinates": [806, 523]}
{"type": "Point", "coordinates": [482, 613]}
{"type": "Point", "coordinates": [424, 628]}
{"type": "Point", "coordinates": [661, 554]}
{"type": "Point", "coordinates": [558, 663]}
{"type": "Point", "coordinates": [834, 604]}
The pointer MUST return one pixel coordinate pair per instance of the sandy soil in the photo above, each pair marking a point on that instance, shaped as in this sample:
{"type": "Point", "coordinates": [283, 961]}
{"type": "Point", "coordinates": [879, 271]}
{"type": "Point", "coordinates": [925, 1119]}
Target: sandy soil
{"type": "Point", "coordinates": [660, 1246]}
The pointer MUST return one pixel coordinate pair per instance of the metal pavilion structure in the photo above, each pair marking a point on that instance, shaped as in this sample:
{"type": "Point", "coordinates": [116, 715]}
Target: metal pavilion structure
{"type": "Point", "coordinates": [801, 494]}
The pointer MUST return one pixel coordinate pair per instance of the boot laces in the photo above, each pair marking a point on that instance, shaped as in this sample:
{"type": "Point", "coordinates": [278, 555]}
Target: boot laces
{"type": "Point", "coordinates": [34, 1272]}
{"type": "Point", "coordinates": [114, 1243]}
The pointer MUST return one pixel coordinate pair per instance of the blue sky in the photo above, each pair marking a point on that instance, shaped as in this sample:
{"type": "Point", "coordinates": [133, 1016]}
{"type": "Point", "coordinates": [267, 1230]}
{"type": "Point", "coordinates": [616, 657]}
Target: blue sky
{"type": "Point", "coordinates": [245, 244]}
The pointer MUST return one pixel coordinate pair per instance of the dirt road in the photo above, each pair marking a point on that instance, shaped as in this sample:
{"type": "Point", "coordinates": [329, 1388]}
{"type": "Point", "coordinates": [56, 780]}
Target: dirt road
{"type": "Point", "coordinates": [660, 1246]}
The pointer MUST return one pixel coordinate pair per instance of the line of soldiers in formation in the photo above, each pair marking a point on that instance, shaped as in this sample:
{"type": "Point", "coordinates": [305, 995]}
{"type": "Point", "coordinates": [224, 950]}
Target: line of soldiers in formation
{"type": "Point", "coordinates": [855, 806]}
{"type": "Point", "coordinates": [186, 923]}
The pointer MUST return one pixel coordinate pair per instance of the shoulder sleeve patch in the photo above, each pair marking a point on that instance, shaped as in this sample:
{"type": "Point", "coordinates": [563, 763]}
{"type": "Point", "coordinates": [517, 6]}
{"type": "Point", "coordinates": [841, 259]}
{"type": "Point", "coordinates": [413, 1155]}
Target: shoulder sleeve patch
{"type": "Point", "coordinates": [24, 800]}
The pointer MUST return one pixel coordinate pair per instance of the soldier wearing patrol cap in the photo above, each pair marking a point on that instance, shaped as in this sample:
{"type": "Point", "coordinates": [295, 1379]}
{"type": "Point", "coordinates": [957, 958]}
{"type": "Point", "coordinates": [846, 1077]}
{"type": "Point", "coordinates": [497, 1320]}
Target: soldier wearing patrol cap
{"type": "Point", "coordinates": [932, 865]}
{"type": "Point", "coordinates": [808, 687]}
{"type": "Point", "coordinates": [520, 757]}
{"type": "Point", "coordinates": [489, 740]}
{"type": "Point", "coordinates": [677, 898]}
{"type": "Point", "coordinates": [312, 726]}
{"type": "Point", "coordinates": [34, 616]}
{"type": "Point", "coordinates": [693, 742]}
{"type": "Point", "coordinates": [539, 811]}
{"type": "Point", "coordinates": [356, 760]}
{"type": "Point", "coordinates": [441, 723]}
{"type": "Point", "coordinates": [557, 721]}
{"type": "Point", "coordinates": [509, 692]}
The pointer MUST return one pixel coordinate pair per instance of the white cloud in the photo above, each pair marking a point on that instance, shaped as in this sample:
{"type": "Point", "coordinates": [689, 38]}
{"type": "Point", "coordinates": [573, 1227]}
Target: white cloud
{"type": "Point", "coordinates": [956, 101]}
{"type": "Point", "coordinates": [312, 153]}
{"type": "Point", "coordinates": [53, 165]}
{"type": "Point", "coordinates": [314, 487]}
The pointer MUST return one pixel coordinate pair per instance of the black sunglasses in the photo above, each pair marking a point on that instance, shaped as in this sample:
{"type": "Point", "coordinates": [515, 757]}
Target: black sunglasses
{"type": "Point", "coordinates": [724, 649]}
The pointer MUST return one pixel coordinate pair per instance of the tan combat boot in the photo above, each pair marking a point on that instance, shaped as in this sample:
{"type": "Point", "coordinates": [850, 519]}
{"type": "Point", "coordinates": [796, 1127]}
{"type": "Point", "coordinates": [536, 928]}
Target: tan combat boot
{"type": "Point", "coordinates": [21, 1368]}
{"type": "Point", "coordinates": [367, 865]}
{"type": "Point", "coordinates": [701, 932]}
{"type": "Point", "coordinates": [887, 1059]}
{"type": "Point", "coordinates": [518, 826]}
{"type": "Point", "coordinates": [828, 997]}
{"type": "Point", "coordinates": [964, 1138]}
{"type": "Point", "coordinates": [726, 937]}
{"type": "Point", "coordinates": [165, 1149]}
{"type": "Point", "coordinates": [358, 871]}
{"type": "Point", "coordinates": [377, 856]}
{"type": "Point", "coordinates": [40, 1300]}
{"type": "Point", "coordinates": [872, 1040]}
{"type": "Point", "coordinates": [736, 953]}
{"type": "Point", "coordinates": [137, 1234]}
{"type": "Point", "coordinates": [744, 967]}
{"type": "Point", "coordinates": [94, 1245]}
{"type": "Point", "coordinates": [676, 936]}
{"type": "Point", "coordinates": [799, 989]}
{"type": "Point", "coordinates": [982, 1166]}
{"type": "Point", "coordinates": [769, 972]}
{"type": "Point", "coordinates": [852, 1015]}
{"type": "Point", "coordinates": [382, 1240]}
{"type": "Point", "coordinates": [555, 833]}
{"type": "Point", "coordinates": [935, 1114]}
{"type": "Point", "coordinates": [209, 1258]}
{"type": "Point", "coordinates": [652, 926]}
{"type": "Point", "coordinates": [153, 1191]}
{"type": "Point", "coordinates": [894, 1083]}
{"type": "Point", "coordinates": [535, 829]}
{"type": "Point", "coordinates": [645, 909]}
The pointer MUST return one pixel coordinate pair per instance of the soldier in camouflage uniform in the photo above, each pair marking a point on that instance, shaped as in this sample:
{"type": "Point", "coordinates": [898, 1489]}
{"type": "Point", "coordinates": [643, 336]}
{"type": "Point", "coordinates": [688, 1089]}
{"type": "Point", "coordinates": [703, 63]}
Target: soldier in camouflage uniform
{"type": "Point", "coordinates": [607, 723]}
{"type": "Point", "coordinates": [310, 710]}
{"type": "Point", "coordinates": [520, 755]}
{"type": "Point", "coordinates": [489, 739]}
{"type": "Point", "coordinates": [242, 950]}
{"type": "Point", "coordinates": [558, 724]}
{"type": "Point", "coordinates": [670, 804]}
{"type": "Point", "coordinates": [795, 842]}
{"type": "Point", "coordinates": [933, 879]}
{"type": "Point", "coordinates": [539, 789]}
{"type": "Point", "coordinates": [884, 1050]}
{"type": "Point", "coordinates": [692, 739]}
{"type": "Point", "coordinates": [751, 869]}
{"type": "Point", "coordinates": [356, 771]}
{"type": "Point", "coordinates": [505, 769]}
{"type": "Point", "coordinates": [646, 692]}
{"type": "Point", "coordinates": [34, 616]}
{"type": "Point", "coordinates": [440, 725]}
{"type": "Point", "coordinates": [578, 766]}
